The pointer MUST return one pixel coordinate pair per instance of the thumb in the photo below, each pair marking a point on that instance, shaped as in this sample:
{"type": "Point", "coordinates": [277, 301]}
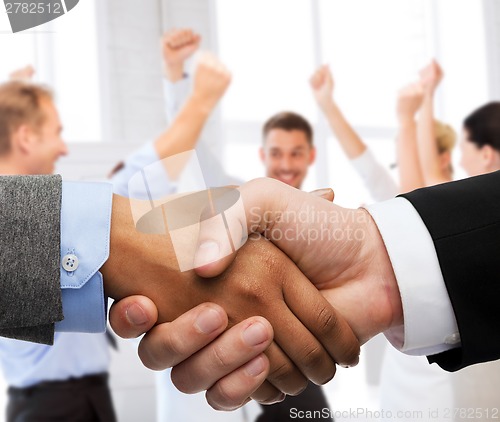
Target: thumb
{"type": "Point", "coordinates": [259, 208]}
{"type": "Point", "coordinates": [133, 316]}
{"type": "Point", "coordinates": [327, 194]}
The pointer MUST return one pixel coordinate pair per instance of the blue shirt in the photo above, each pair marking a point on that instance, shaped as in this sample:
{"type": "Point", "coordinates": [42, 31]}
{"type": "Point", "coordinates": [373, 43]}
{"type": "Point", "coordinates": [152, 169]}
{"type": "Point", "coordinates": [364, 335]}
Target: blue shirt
{"type": "Point", "coordinates": [85, 234]}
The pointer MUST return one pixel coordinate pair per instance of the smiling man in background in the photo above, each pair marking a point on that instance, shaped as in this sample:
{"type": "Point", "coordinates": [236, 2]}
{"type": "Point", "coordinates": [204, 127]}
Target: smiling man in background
{"type": "Point", "coordinates": [288, 149]}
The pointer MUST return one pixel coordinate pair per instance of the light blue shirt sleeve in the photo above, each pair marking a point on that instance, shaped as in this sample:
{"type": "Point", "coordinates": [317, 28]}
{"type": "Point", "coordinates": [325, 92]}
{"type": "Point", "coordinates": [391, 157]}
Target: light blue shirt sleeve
{"type": "Point", "coordinates": [175, 94]}
{"type": "Point", "coordinates": [214, 174]}
{"type": "Point", "coordinates": [85, 235]}
{"type": "Point", "coordinates": [147, 162]}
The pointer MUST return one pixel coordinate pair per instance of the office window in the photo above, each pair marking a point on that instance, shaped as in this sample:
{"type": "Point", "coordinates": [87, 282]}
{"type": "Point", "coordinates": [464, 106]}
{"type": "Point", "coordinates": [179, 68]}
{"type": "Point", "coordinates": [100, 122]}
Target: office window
{"type": "Point", "coordinates": [64, 53]}
{"type": "Point", "coordinates": [373, 49]}
{"type": "Point", "coordinates": [268, 47]}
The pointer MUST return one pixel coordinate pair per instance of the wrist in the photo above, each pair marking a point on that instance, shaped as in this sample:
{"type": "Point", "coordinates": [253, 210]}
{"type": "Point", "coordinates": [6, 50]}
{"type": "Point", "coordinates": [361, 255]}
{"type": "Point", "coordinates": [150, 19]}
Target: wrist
{"type": "Point", "coordinates": [428, 98]}
{"type": "Point", "coordinates": [328, 105]}
{"type": "Point", "coordinates": [121, 246]}
{"type": "Point", "coordinates": [406, 119]}
{"type": "Point", "coordinates": [386, 309]}
{"type": "Point", "coordinates": [202, 103]}
{"type": "Point", "coordinates": [174, 72]}
{"type": "Point", "coordinates": [364, 291]}
{"type": "Point", "coordinates": [138, 261]}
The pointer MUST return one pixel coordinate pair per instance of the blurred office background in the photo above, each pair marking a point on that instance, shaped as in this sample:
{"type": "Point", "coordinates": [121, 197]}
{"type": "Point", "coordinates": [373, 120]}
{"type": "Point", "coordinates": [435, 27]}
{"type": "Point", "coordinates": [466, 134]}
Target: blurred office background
{"type": "Point", "coordinates": [103, 61]}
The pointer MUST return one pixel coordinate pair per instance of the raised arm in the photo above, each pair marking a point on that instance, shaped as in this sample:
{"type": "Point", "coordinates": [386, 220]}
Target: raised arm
{"type": "Point", "coordinates": [178, 45]}
{"type": "Point", "coordinates": [322, 85]}
{"type": "Point", "coordinates": [211, 80]}
{"type": "Point", "coordinates": [433, 174]}
{"type": "Point", "coordinates": [376, 178]}
{"type": "Point", "coordinates": [410, 173]}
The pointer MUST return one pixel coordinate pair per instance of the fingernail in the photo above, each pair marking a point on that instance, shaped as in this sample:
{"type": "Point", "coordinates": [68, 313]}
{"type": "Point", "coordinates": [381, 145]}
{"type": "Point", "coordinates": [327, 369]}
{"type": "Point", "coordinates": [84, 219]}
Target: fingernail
{"type": "Point", "coordinates": [208, 321]}
{"type": "Point", "coordinates": [255, 334]}
{"type": "Point", "coordinates": [207, 253]}
{"type": "Point", "coordinates": [277, 399]}
{"type": "Point", "coordinates": [136, 315]}
{"type": "Point", "coordinates": [255, 367]}
{"type": "Point", "coordinates": [322, 192]}
{"type": "Point", "coordinates": [351, 365]}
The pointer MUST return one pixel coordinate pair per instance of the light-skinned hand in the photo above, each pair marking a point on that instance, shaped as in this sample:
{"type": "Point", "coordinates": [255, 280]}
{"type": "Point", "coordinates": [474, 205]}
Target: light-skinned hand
{"type": "Point", "coordinates": [178, 45]}
{"type": "Point", "coordinates": [340, 250]}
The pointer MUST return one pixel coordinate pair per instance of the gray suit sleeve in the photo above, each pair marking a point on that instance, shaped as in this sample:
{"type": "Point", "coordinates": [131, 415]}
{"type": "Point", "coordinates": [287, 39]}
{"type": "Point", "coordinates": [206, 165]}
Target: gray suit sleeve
{"type": "Point", "coordinates": [30, 291]}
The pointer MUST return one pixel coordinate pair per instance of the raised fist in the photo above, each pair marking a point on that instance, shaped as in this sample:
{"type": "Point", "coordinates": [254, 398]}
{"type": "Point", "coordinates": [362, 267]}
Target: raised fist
{"type": "Point", "coordinates": [178, 45]}
{"type": "Point", "coordinates": [322, 85]}
{"type": "Point", "coordinates": [430, 76]}
{"type": "Point", "coordinates": [211, 79]}
{"type": "Point", "coordinates": [410, 99]}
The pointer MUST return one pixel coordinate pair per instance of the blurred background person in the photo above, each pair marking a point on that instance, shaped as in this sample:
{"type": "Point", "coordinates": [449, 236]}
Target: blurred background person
{"type": "Point", "coordinates": [424, 154]}
{"type": "Point", "coordinates": [69, 380]}
{"type": "Point", "coordinates": [426, 161]}
{"type": "Point", "coordinates": [77, 365]}
{"type": "Point", "coordinates": [415, 377]}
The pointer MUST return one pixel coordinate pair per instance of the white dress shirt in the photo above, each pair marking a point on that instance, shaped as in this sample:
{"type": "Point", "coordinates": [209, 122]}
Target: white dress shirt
{"type": "Point", "coordinates": [430, 326]}
{"type": "Point", "coordinates": [375, 176]}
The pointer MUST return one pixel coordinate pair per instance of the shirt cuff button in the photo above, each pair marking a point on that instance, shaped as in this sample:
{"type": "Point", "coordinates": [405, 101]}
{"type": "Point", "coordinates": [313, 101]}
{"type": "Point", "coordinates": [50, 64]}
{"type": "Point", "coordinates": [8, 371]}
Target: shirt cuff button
{"type": "Point", "coordinates": [70, 262]}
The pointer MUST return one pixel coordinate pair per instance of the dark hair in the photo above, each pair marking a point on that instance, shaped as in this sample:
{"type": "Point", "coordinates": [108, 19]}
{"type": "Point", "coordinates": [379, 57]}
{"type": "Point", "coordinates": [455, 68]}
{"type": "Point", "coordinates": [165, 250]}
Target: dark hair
{"type": "Point", "coordinates": [289, 121]}
{"type": "Point", "coordinates": [483, 125]}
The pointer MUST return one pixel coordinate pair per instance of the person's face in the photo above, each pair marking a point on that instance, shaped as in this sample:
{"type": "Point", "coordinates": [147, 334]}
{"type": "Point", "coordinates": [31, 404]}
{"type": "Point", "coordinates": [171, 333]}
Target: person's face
{"type": "Point", "coordinates": [287, 155]}
{"type": "Point", "coordinates": [47, 145]}
{"type": "Point", "coordinates": [474, 160]}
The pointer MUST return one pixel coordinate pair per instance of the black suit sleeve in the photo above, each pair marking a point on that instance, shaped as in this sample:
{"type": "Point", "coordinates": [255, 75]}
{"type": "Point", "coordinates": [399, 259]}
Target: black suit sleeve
{"type": "Point", "coordinates": [463, 219]}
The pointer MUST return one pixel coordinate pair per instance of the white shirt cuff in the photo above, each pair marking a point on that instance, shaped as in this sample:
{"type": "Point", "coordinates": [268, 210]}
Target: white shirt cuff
{"type": "Point", "coordinates": [430, 326]}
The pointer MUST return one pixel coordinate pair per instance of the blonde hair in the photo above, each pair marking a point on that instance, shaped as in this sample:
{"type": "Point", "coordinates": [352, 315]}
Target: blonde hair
{"type": "Point", "coordinates": [446, 136]}
{"type": "Point", "coordinates": [20, 103]}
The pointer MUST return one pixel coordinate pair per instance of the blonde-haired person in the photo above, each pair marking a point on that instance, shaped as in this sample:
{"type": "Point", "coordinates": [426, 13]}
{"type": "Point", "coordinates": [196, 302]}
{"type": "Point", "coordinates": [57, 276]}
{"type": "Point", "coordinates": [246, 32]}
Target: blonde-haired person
{"type": "Point", "coordinates": [446, 137]}
{"type": "Point", "coordinates": [405, 381]}
{"type": "Point", "coordinates": [418, 137]}
{"type": "Point", "coordinates": [427, 158]}
{"type": "Point", "coordinates": [425, 144]}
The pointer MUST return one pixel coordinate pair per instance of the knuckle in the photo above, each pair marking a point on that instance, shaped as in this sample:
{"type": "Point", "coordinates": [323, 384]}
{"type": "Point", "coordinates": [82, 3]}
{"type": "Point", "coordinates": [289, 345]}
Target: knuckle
{"type": "Point", "coordinates": [149, 359]}
{"type": "Point", "coordinates": [281, 372]}
{"type": "Point", "coordinates": [347, 344]}
{"type": "Point", "coordinates": [221, 357]}
{"type": "Point", "coordinates": [313, 358]}
{"type": "Point", "coordinates": [182, 382]}
{"type": "Point", "coordinates": [161, 348]}
{"type": "Point", "coordinates": [259, 184]}
{"type": "Point", "coordinates": [282, 376]}
{"type": "Point", "coordinates": [172, 345]}
{"type": "Point", "coordinates": [327, 320]}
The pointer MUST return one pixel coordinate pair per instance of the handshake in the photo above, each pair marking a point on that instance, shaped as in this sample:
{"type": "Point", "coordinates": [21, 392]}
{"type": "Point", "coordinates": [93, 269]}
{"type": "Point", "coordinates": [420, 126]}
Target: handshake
{"type": "Point", "coordinates": [311, 283]}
